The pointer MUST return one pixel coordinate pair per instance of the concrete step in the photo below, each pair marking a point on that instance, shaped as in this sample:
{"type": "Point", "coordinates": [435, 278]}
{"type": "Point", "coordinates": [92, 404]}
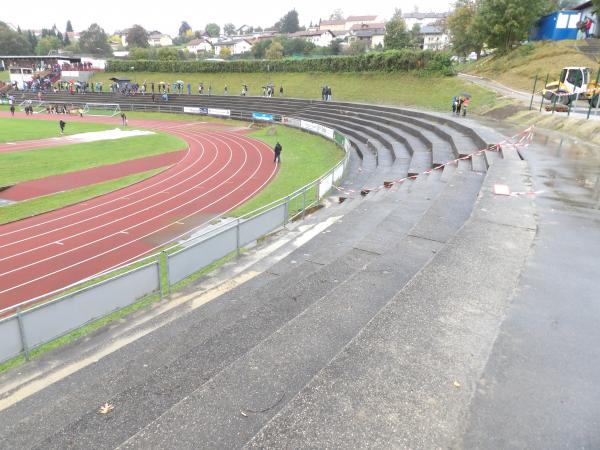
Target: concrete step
{"type": "Point", "coordinates": [406, 380]}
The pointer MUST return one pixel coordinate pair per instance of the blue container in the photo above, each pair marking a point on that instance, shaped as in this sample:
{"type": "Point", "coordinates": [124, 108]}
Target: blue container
{"type": "Point", "coordinates": [558, 26]}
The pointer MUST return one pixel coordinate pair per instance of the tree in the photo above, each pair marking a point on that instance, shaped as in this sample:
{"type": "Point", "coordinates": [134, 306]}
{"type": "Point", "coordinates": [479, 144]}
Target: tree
{"type": "Point", "coordinates": [69, 27]}
{"type": "Point", "coordinates": [259, 49]}
{"type": "Point", "coordinates": [139, 53]}
{"type": "Point", "coordinates": [274, 51]}
{"type": "Point", "coordinates": [505, 23]}
{"type": "Point", "coordinates": [337, 14]}
{"type": "Point", "coordinates": [168, 54]}
{"type": "Point", "coordinates": [415, 38]}
{"type": "Point", "coordinates": [95, 41]}
{"type": "Point", "coordinates": [32, 39]}
{"type": "Point", "coordinates": [66, 40]}
{"type": "Point", "coordinates": [13, 42]}
{"type": "Point", "coordinates": [357, 47]}
{"type": "Point", "coordinates": [466, 34]}
{"type": "Point", "coordinates": [396, 35]}
{"type": "Point", "coordinates": [225, 52]}
{"type": "Point", "coordinates": [137, 37]}
{"type": "Point", "coordinates": [46, 44]}
{"type": "Point", "coordinates": [397, 13]}
{"type": "Point", "coordinates": [288, 23]}
{"type": "Point", "coordinates": [334, 46]}
{"type": "Point", "coordinates": [213, 30]}
{"type": "Point", "coordinates": [297, 46]}
{"type": "Point", "coordinates": [229, 29]}
{"type": "Point", "coordinates": [184, 28]}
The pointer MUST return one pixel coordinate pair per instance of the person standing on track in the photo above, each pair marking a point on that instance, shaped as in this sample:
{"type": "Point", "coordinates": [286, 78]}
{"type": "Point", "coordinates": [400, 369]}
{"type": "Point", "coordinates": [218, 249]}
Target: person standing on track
{"type": "Point", "coordinates": [61, 124]}
{"type": "Point", "coordinates": [277, 150]}
{"type": "Point", "coordinates": [12, 110]}
{"type": "Point", "coordinates": [124, 119]}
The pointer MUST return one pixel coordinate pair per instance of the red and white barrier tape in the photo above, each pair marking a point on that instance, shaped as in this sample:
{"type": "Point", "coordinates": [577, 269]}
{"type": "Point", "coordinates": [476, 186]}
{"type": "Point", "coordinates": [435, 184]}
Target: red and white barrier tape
{"type": "Point", "coordinates": [520, 140]}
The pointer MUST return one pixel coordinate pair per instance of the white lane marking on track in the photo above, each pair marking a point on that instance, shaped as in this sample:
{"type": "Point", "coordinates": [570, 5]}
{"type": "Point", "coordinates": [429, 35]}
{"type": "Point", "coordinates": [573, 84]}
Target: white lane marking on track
{"type": "Point", "coordinates": [186, 167]}
{"type": "Point", "coordinates": [130, 204]}
{"type": "Point", "coordinates": [251, 143]}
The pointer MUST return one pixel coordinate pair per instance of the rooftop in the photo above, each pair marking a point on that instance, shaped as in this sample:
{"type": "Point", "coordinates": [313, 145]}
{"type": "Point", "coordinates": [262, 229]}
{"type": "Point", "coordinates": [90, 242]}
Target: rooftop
{"type": "Point", "coordinates": [359, 18]}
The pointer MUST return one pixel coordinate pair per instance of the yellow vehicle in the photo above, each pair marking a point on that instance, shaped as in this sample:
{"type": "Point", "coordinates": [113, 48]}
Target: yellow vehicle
{"type": "Point", "coordinates": [574, 84]}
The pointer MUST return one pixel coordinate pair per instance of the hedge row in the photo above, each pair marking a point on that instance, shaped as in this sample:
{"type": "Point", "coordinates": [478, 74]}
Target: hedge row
{"type": "Point", "coordinates": [389, 61]}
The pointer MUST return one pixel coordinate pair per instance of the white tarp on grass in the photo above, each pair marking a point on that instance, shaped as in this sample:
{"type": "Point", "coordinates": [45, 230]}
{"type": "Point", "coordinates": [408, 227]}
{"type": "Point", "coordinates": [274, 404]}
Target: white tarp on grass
{"type": "Point", "coordinates": [105, 135]}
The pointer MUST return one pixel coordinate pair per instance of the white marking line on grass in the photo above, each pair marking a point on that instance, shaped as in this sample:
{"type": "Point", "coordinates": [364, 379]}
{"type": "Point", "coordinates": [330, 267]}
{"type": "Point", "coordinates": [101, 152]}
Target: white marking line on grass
{"type": "Point", "coordinates": [11, 143]}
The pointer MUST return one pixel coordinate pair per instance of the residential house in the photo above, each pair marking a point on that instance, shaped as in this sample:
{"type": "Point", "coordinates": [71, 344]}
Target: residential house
{"type": "Point", "coordinates": [237, 46]}
{"type": "Point", "coordinates": [158, 39]}
{"type": "Point", "coordinates": [199, 45]}
{"type": "Point", "coordinates": [434, 38]}
{"type": "Point", "coordinates": [243, 30]}
{"type": "Point", "coordinates": [335, 26]}
{"type": "Point", "coordinates": [351, 21]}
{"type": "Point", "coordinates": [372, 33]}
{"type": "Point", "coordinates": [320, 38]}
{"type": "Point", "coordinates": [73, 35]}
{"type": "Point", "coordinates": [423, 19]}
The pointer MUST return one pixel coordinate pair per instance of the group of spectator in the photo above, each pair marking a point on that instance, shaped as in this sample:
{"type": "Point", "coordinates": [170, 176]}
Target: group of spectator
{"type": "Point", "coordinates": [77, 66]}
{"type": "Point", "coordinates": [326, 93]}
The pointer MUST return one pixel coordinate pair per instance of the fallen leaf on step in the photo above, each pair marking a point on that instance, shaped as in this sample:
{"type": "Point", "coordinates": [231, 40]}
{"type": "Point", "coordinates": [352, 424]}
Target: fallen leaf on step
{"type": "Point", "coordinates": [106, 408]}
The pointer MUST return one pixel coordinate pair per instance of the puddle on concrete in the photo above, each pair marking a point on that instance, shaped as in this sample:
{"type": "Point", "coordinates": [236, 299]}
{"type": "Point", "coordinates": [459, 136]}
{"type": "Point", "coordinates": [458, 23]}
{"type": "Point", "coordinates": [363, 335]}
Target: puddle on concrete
{"type": "Point", "coordinates": [567, 170]}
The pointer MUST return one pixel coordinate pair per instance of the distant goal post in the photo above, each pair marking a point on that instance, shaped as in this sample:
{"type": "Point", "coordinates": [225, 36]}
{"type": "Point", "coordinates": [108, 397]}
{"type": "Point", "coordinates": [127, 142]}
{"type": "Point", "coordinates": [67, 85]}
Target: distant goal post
{"type": "Point", "coordinates": [101, 109]}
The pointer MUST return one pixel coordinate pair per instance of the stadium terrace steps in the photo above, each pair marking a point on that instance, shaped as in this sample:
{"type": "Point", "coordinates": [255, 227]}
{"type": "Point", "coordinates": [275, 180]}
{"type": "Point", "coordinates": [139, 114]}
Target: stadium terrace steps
{"type": "Point", "coordinates": [373, 332]}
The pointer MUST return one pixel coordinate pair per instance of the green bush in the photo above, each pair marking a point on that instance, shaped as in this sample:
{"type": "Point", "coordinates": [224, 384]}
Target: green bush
{"type": "Point", "coordinates": [390, 61]}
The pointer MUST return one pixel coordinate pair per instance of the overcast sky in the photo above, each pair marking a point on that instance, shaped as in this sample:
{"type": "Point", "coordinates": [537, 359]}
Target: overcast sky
{"type": "Point", "coordinates": [167, 17]}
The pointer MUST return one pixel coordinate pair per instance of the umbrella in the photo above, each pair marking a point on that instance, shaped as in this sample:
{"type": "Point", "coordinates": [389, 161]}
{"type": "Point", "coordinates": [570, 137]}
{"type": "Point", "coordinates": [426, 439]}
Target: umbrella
{"type": "Point", "coordinates": [179, 82]}
{"type": "Point", "coordinates": [465, 94]}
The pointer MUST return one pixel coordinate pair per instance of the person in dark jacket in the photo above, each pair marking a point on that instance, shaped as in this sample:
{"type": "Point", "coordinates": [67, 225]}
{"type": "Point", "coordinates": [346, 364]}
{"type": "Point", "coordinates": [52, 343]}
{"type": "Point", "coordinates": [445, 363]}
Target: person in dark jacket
{"type": "Point", "coordinates": [62, 124]}
{"type": "Point", "coordinates": [277, 150]}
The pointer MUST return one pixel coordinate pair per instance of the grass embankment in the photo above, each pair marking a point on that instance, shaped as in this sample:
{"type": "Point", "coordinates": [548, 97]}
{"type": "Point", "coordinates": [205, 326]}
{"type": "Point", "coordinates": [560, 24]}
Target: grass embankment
{"type": "Point", "coordinates": [431, 92]}
{"type": "Point", "coordinates": [39, 205]}
{"type": "Point", "coordinates": [13, 129]}
{"type": "Point", "coordinates": [305, 157]}
{"type": "Point", "coordinates": [518, 68]}
{"type": "Point", "coordinates": [22, 166]}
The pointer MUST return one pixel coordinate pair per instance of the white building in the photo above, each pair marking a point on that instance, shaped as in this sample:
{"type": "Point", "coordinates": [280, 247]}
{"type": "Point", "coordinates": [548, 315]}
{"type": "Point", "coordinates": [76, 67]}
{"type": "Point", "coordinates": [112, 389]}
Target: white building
{"type": "Point", "coordinates": [423, 19]}
{"type": "Point", "coordinates": [320, 38]}
{"type": "Point", "coordinates": [434, 38]}
{"type": "Point", "coordinates": [158, 39]}
{"type": "Point", "coordinates": [372, 33]}
{"type": "Point", "coordinates": [237, 46]}
{"type": "Point", "coordinates": [199, 45]}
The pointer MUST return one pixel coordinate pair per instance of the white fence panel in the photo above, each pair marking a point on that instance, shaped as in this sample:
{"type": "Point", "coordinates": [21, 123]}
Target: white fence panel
{"type": "Point", "coordinates": [338, 173]}
{"type": "Point", "coordinates": [191, 259]}
{"type": "Point", "coordinates": [53, 319]}
{"type": "Point", "coordinates": [257, 226]}
{"type": "Point", "coordinates": [317, 128]}
{"type": "Point", "coordinates": [10, 338]}
{"type": "Point", "coordinates": [325, 185]}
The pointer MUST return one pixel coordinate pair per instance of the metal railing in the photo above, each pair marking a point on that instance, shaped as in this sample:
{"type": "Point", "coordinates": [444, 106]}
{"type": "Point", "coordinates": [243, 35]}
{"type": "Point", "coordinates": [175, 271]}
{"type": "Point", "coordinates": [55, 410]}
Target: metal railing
{"type": "Point", "coordinates": [37, 321]}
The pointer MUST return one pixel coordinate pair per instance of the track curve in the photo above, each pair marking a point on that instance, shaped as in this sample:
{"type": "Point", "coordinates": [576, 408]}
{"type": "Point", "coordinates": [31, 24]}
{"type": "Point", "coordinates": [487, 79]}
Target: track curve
{"type": "Point", "coordinates": [219, 171]}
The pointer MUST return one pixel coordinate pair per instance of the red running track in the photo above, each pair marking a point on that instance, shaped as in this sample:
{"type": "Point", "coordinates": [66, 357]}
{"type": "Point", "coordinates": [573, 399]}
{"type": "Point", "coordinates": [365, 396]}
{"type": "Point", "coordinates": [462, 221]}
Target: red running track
{"type": "Point", "coordinates": [220, 170]}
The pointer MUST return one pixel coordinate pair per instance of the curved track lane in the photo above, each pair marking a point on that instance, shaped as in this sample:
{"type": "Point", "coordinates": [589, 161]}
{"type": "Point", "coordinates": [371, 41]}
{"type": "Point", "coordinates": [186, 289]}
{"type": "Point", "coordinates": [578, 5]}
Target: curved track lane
{"type": "Point", "coordinates": [219, 171]}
